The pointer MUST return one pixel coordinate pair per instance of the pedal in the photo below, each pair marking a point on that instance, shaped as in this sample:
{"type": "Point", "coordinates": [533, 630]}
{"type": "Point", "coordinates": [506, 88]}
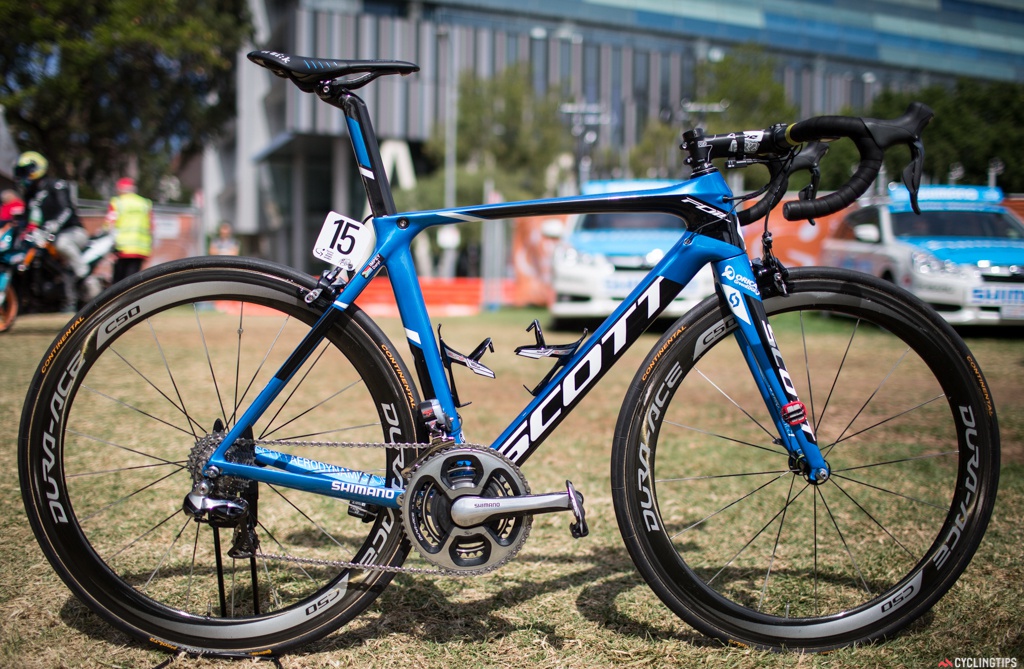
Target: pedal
{"type": "Point", "coordinates": [472, 361]}
{"type": "Point", "coordinates": [561, 352]}
{"type": "Point", "coordinates": [579, 529]}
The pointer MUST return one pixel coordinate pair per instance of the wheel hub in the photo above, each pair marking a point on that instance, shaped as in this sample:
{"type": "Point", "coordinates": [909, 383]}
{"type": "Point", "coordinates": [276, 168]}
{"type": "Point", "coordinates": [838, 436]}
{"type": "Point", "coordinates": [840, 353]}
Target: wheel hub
{"type": "Point", "coordinates": [221, 486]}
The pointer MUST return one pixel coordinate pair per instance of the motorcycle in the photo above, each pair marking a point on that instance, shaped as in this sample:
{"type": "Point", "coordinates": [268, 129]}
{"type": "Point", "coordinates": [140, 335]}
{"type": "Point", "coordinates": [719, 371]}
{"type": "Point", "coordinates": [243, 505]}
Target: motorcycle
{"type": "Point", "coordinates": [32, 275]}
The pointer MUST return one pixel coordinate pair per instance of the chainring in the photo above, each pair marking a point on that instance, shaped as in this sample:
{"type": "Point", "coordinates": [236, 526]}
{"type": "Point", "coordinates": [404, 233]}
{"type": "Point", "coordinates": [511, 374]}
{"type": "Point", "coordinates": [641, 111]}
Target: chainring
{"type": "Point", "coordinates": [441, 477]}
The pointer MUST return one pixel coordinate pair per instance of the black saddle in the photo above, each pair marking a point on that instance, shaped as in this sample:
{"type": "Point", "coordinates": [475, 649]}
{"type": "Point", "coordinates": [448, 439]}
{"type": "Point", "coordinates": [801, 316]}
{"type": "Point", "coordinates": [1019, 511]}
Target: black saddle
{"type": "Point", "coordinates": [307, 73]}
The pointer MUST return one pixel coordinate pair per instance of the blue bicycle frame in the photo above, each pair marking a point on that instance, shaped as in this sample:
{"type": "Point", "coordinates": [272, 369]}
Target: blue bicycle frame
{"type": "Point", "coordinates": [712, 237]}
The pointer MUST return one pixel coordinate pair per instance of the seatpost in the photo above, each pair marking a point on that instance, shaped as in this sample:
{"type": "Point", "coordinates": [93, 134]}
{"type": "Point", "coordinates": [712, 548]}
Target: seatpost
{"type": "Point", "coordinates": [364, 145]}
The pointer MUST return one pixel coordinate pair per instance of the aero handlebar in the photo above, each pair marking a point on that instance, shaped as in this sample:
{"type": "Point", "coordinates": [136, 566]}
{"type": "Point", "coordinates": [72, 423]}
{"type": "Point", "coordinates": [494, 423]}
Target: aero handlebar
{"type": "Point", "coordinates": [872, 137]}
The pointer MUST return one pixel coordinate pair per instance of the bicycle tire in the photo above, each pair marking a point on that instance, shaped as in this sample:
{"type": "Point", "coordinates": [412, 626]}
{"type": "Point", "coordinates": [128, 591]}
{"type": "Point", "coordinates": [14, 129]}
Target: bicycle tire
{"type": "Point", "coordinates": [121, 401]}
{"type": "Point", "coordinates": [736, 541]}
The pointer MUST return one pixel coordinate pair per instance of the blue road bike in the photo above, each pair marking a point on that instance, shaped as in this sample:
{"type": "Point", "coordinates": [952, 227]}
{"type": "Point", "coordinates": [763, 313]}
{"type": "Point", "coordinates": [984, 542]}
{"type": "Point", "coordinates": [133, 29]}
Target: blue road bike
{"type": "Point", "coordinates": [227, 456]}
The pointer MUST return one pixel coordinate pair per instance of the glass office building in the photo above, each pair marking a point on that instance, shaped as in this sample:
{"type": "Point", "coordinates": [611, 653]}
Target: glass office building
{"type": "Point", "coordinates": [287, 160]}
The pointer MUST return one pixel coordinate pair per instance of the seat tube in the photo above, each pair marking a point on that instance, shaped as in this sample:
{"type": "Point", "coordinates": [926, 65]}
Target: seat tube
{"type": "Point", "coordinates": [419, 332]}
{"type": "Point", "coordinates": [738, 287]}
{"type": "Point", "coordinates": [367, 153]}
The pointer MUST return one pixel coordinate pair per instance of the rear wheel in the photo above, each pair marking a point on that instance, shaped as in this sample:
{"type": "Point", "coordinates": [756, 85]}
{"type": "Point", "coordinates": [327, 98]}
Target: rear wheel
{"type": "Point", "coordinates": [732, 535]}
{"type": "Point", "coordinates": [118, 421]}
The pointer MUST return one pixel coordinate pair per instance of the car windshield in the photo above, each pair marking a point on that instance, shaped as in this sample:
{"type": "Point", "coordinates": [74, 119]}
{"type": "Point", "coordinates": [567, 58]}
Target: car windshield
{"type": "Point", "coordinates": [986, 224]}
{"type": "Point", "coordinates": [632, 221]}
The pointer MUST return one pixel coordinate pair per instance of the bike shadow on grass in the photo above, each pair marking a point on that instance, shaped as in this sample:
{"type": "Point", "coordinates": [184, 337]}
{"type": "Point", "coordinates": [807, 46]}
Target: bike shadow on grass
{"type": "Point", "coordinates": [439, 610]}
{"type": "Point", "coordinates": [429, 609]}
{"type": "Point", "coordinates": [425, 608]}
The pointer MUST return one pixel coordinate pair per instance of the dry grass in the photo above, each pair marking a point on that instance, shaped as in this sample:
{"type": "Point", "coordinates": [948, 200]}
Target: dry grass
{"type": "Point", "coordinates": [561, 603]}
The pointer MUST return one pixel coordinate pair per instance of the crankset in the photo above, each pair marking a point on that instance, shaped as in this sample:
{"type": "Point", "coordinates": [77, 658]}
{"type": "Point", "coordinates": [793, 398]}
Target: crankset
{"type": "Point", "coordinates": [468, 509]}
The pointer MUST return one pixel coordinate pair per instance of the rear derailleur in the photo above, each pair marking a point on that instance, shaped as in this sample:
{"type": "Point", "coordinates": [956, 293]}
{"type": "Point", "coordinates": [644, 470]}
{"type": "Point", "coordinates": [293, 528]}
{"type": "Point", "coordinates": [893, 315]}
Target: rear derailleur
{"type": "Point", "coordinates": [224, 501]}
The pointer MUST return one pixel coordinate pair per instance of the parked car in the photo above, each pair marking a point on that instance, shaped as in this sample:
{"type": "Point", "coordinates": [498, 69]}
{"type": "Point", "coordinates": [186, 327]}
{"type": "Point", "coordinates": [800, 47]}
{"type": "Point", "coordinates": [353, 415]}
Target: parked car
{"type": "Point", "coordinates": [964, 254]}
{"type": "Point", "coordinates": [602, 257]}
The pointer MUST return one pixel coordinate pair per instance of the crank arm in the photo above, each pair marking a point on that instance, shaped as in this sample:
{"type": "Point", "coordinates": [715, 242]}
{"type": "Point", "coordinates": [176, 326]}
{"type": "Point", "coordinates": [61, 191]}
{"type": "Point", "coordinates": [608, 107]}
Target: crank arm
{"type": "Point", "coordinates": [470, 510]}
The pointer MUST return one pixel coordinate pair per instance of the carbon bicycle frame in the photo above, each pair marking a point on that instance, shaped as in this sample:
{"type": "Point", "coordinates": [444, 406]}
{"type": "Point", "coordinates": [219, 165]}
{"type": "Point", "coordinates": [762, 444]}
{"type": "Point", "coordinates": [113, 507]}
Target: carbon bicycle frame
{"type": "Point", "coordinates": [699, 201]}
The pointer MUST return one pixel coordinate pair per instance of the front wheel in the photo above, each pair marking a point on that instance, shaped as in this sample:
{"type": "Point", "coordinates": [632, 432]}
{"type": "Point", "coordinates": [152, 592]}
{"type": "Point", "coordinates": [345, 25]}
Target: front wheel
{"type": "Point", "coordinates": [732, 535]}
{"type": "Point", "coordinates": [119, 420]}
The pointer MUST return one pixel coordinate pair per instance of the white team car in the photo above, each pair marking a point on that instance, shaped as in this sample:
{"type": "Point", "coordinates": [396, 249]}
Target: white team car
{"type": "Point", "coordinates": [602, 257]}
{"type": "Point", "coordinates": [964, 255]}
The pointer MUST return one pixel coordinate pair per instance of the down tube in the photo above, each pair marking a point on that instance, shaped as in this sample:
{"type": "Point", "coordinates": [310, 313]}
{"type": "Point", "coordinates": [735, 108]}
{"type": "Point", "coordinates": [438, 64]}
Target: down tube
{"type": "Point", "coordinates": [608, 343]}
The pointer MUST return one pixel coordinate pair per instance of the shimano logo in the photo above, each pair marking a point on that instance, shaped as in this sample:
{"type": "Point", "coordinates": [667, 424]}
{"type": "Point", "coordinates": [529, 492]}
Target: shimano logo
{"type": "Point", "coordinates": [364, 491]}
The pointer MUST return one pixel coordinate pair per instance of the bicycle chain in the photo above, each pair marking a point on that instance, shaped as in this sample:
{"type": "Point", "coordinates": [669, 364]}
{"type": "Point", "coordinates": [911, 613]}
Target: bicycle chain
{"type": "Point", "coordinates": [347, 564]}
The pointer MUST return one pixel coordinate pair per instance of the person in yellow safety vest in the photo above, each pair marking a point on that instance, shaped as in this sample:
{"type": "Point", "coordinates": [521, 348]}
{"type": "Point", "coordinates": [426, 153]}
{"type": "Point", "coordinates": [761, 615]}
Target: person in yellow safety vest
{"type": "Point", "coordinates": [131, 216]}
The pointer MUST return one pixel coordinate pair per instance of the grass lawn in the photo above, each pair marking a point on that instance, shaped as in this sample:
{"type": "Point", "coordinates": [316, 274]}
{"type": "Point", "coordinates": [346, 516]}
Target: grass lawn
{"type": "Point", "coordinates": [561, 602]}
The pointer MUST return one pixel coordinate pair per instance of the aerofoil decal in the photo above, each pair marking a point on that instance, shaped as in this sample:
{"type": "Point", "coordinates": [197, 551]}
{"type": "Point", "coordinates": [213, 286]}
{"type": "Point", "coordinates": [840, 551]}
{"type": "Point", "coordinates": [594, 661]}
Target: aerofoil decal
{"type": "Point", "coordinates": [581, 376]}
{"type": "Point", "coordinates": [733, 285]}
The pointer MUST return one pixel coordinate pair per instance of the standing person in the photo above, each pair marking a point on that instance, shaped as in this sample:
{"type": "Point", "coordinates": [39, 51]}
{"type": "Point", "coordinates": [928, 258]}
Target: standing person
{"type": "Point", "coordinates": [50, 208]}
{"type": "Point", "coordinates": [224, 244]}
{"type": "Point", "coordinates": [131, 216]}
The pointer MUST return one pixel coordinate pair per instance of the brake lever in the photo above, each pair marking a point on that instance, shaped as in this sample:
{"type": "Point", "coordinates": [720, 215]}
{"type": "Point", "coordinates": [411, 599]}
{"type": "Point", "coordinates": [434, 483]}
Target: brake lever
{"type": "Point", "coordinates": [912, 172]}
{"type": "Point", "coordinates": [810, 159]}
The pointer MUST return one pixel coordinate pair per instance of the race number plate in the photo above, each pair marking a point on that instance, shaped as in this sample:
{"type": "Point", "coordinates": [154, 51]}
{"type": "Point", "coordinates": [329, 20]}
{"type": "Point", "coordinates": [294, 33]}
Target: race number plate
{"type": "Point", "coordinates": [344, 242]}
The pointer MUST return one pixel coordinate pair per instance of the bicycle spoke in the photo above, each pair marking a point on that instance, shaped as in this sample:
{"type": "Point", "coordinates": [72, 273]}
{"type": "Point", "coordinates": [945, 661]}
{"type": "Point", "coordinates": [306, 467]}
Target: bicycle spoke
{"type": "Point", "coordinates": [294, 388]}
{"type": "Point", "coordinates": [807, 369]}
{"type": "Point", "coordinates": [839, 371]}
{"type": "Point", "coordinates": [780, 512]}
{"type": "Point", "coordinates": [896, 462]}
{"type": "Point", "coordinates": [312, 522]}
{"type": "Point", "coordinates": [890, 492]}
{"type": "Point", "coordinates": [162, 461]}
{"type": "Point", "coordinates": [145, 378]}
{"type": "Point", "coordinates": [778, 538]}
{"type": "Point", "coordinates": [866, 403]}
{"type": "Point", "coordinates": [195, 426]}
{"type": "Point", "coordinates": [846, 546]}
{"type": "Point", "coordinates": [238, 364]}
{"type": "Point", "coordinates": [140, 411]}
{"type": "Point", "coordinates": [723, 437]}
{"type": "Point", "coordinates": [148, 532]}
{"type": "Point", "coordinates": [720, 476]}
{"type": "Point", "coordinates": [873, 519]}
{"type": "Point", "coordinates": [209, 362]}
{"type": "Point", "coordinates": [121, 500]}
{"type": "Point", "coordinates": [259, 368]}
{"type": "Point", "coordinates": [728, 506]}
{"type": "Point", "coordinates": [884, 421]}
{"type": "Point", "coordinates": [736, 404]}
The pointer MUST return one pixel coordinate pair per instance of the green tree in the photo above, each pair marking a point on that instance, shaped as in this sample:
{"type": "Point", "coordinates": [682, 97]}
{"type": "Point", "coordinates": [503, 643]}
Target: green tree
{"type": "Point", "coordinates": [506, 132]}
{"type": "Point", "coordinates": [97, 85]}
{"type": "Point", "coordinates": [745, 80]}
{"type": "Point", "coordinates": [657, 154]}
{"type": "Point", "coordinates": [974, 122]}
